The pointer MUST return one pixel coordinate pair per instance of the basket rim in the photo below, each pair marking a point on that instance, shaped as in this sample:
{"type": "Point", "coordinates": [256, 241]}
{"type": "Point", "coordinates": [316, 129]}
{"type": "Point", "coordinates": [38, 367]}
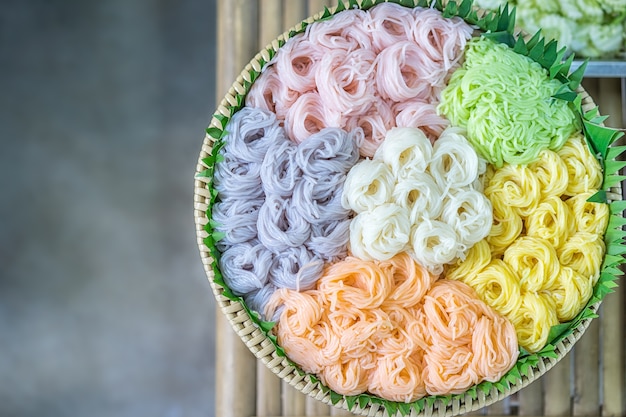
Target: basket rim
{"type": "Point", "coordinates": [263, 348]}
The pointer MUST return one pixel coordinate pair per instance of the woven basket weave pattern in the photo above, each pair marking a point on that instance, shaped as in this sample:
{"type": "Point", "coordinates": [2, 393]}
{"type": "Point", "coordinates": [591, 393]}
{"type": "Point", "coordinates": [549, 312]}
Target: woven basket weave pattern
{"type": "Point", "coordinates": [262, 347]}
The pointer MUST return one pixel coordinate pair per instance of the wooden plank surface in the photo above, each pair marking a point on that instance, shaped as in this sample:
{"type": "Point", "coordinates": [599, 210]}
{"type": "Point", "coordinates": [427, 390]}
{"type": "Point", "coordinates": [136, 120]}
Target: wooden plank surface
{"type": "Point", "coordinates": [236, 366]}
{"type": "Point", "coordinates": [586, 359]}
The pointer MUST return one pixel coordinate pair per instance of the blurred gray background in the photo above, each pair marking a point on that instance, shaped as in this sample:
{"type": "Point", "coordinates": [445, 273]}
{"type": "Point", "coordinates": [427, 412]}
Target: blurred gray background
{"type": "Point", "coordinates": [104, 306]}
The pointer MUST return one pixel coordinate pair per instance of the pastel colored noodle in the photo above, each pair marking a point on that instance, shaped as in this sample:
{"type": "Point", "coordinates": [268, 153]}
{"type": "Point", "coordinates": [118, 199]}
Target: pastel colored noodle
{"type": "Point", "coordinates": [435, 243]}
{"type": "Point", "coordinates": [328, 152]}
{"type": "Point", "coordinates": [237, 219]}
{"type": "Point", "coordinates": [270, 93]}
{"type": "Point", "coordinates": [420, 195]}
{"type": "Point", "coordinates": [583, 252]}
{"type": "Point", "coordinates": [533, 320]}
{"type": "Point", "coordinates": [257, 300]}
{"type": "Point", "coordinates": [297, 64]}
{"type": "Point", "coordinates": [281, 202]}
{"type": "Point", "coordinates": [345, 81]}
{"type": "Point", "coordinates": [476, 259]}
{"type": "Point", "coordinates": [440, 40]}
{"type": "Point", "coordinates": [388, 328]}
{"type": "Point", "coordinates": [455, 320]}
{"type": "Point", "coordinates": [589, 217]}
{"type": "Point", "coordinates": [583, 170]}
{"type": "Point", "coordinates": [510, 115]}
{"type": "Point", "coordinates": [280, 226]}
{"type": "Point", "coordinates": [551, 172]}
{"type": "Point", "coordinates": [380, 233]}
{"type": "Point", "coordinates": [570, 292]}
{"type": "Point", "coordinates": [368, 185]}
{"type": "Point", "coordinates": [405, 151]}
{"type": "Point", "coordinates": [235, 177]}
{"type": "Point", "coordinates": [423, 191]}
{"type": "Point", "coordinates": [534, 261]}
{"type": "Point", "coordinates": [308, 115]}
{"type": "Point", "coordinates": [517, 185]}
{"type": "Point", "coordinates": [545, 240]}
{"type": "Point", "coordinates": [420, 114]}
{"type": "Point", "coordinates": [455, 164]}
{"type": "Point", "coordinates": [279, 172]}
{"type": "Point", "coordinates": [329, 240]}
{"type": "Point", "coordinates": [497, 285]}
{"type": "Point", "coordinates": [246, 266]}
{"type": "Point", "coordinates": [389, 24]}
{"type": "Point", "coordinates": [296, 268]}
{"type": "Point", "coordinates": [507, 224]}
{"type": "Point", "coordinates": [469, 214]}
{"type": "Point", "coordinates": [253, 132]}
{"type": "Point", "coordinates": [375, 122]}
{"type": "Point", "coordinates": [320, 202]}
{"type": "Point", "coordinates": [401, 72]}
{"type": "Point", "coordinates": [370, 69]}
{"type": "Point", "coordinates": [345, 31]}
{"type": "Point", "coordinates": [552, 220]}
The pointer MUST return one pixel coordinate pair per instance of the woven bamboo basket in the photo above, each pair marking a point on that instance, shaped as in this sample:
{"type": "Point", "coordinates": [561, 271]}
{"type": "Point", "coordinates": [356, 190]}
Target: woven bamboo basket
{"type": "Point", "coordinates": [259, 343]}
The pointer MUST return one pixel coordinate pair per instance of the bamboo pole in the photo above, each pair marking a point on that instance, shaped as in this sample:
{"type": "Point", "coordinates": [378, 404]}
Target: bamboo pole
{"type": "Point", "coordinates": [270, 21]}
{"type": "Point", "coordinates": [235, 365]}
{"type": "Point", "coordinates": [294, 402]}
{"type": "Point", "coordinates": [500, 408]}
{"type": "Point", "coordinates": [294, 11]}
{"type": "Point", "coordinates": [531, 399]}
{"type": "Point", "coordinates": [268, 390]}
{"type": "Point", "coordinates": [316, 6]}
{"type": "Point", "coordinates": [315, 407]}
{"type": "Point", "coordinates": [612, 310]}
{"type": "Point", "coordinates": [586, 400]}
{"type": "Point", "coordinates": [557, 393]}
